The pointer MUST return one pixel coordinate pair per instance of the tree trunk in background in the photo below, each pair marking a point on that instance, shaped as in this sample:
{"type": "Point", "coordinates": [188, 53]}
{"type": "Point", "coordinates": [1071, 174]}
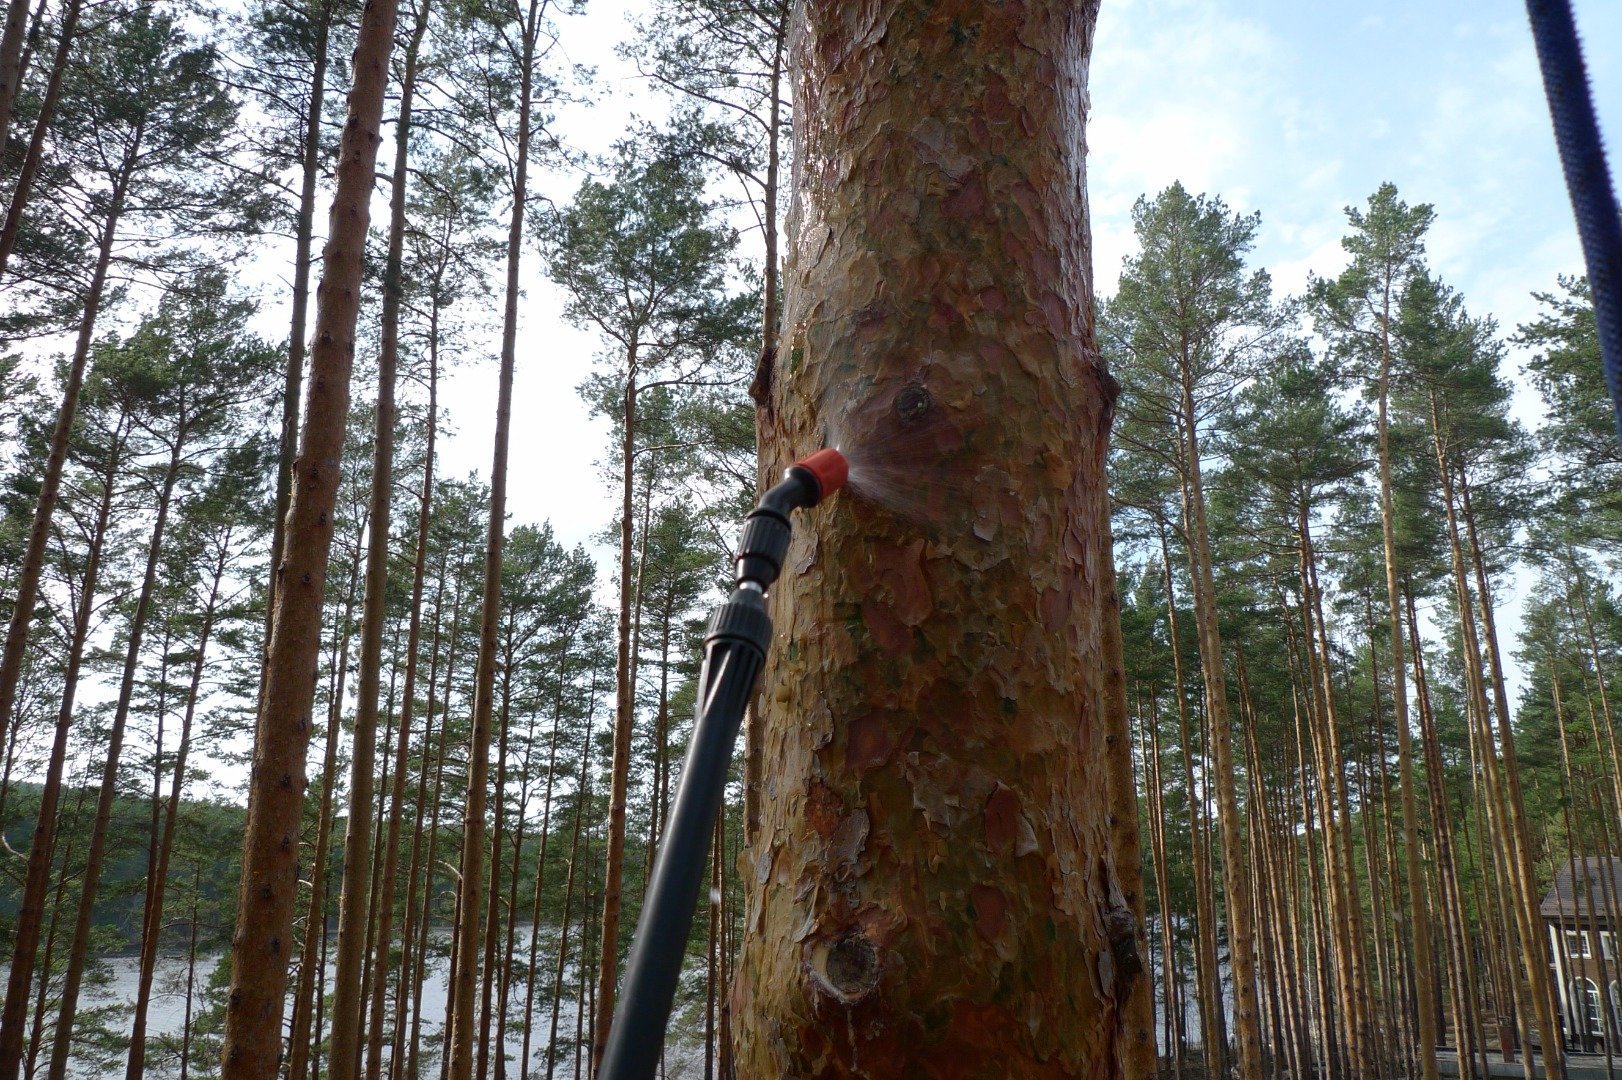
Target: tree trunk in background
{"type": "Point", "coordinates": [152, 931]}
{"type": "Point", "coordinates": [1235, 875]}
{"type": "Point", "coordinates": [390, 346]}
{"type": "Point", "coordinates": [760, 387]}
{"type": "Point", "coordinates": [35, 154]}
{"type": "Point", "coordinates": [30, 915]}
{"type": "Point", "coordinates": [1505, 808]}
{"type": "Point", "coordinates": [1125, 930]}
{"type": "Point", "coordinates": [309, 174]}
{"type": "Point", "coordinates": [1206, 972]}
{"type": "Point", "coordinates": [355, 905]}
{"type": "Point", "coordinates": [470, 889]}
{"type": "Point", "coordinates": [624, 714]}
{"type": "Point", "coordinates": [264, 923]}
{"type": "Point", "coordinates": [11, 54]}
{"type": "Point", "coordinates": [1418, 920]}
{"type": "Point", "coordinates": [80, 947]}
{"type": "Point", "coordinates": [935, 743]}
{"type": "Point", "coordinates": [313, 951]}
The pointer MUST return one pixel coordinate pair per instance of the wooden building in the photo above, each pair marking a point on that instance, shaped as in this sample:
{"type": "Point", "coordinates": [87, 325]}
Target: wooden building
{"type": "Point", "coordinates": [1583, 912]}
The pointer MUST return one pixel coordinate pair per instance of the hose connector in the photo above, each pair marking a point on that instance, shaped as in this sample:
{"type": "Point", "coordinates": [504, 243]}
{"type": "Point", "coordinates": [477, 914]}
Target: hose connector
{"type": "Point", "coordinates": [766, 530]}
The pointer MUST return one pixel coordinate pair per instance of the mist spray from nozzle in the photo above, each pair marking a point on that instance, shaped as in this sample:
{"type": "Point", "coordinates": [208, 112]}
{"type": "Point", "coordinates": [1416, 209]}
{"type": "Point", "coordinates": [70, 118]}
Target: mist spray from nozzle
{"type": "Point", "coordinates": [734, 652]}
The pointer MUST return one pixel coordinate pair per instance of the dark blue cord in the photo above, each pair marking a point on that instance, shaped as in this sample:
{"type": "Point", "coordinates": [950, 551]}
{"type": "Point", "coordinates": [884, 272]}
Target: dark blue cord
{"type": "Point", "coordinates": [1582, 155]}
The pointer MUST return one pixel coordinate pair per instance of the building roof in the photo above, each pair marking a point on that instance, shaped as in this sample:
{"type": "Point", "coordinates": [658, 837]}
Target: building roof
{"type": "Point", "coordinates": [1590, 893]}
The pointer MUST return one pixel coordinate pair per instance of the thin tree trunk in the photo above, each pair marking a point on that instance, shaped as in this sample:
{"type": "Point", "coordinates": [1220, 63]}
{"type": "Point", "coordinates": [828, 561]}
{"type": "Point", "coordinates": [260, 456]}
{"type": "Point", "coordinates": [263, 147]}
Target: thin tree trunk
{"type": "Point", "coordinates": [42, 997]}
{"type": "Point", "coordinates": [135, 1067]}
{"type": "Point", "coordinates": [1236, 884]}
{"type": "Point", "coordinates": [355, 907]}
{"type": "Point", "coordinates": [1206, 971]}
{"type": "Point", "coordinates": [540, 872]}
{"type": "Point", "coordinates": [408, 703]}
{"type": "Point", "coordinates": [304, 239]}
{"type": "Point", "coordinates": [30, 914]}
{"type": "Point", "coordinates": [191, 974]}
{"type": "Point", "coordinates": [264, 924]}
{"type": "Point", "coordinates": [11, 67]}
{"type": "Point", "coordinates": [1418, 919]}
{"type": "Point", "coordinates": [1504, 803]}
{"type": "Point", "coordinates": [465, 972]}
{"type": "Point", "coordinates": [35, 155]}
{"type": "Point", "coordinates": [582, 794]}
{"type": "Point", "coordinates": [312, 954]}
{"type": "Point", "coordinates": [492, 915]}
{"type": "Point", "coordinates": [80, 947]}
{"type": "Point", "coordinates": [1537, 965]}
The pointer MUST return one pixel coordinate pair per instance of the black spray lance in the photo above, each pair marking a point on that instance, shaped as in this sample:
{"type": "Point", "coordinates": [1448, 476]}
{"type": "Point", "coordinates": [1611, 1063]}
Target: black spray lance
{"type": "Point", "coordinates": [734, 652]}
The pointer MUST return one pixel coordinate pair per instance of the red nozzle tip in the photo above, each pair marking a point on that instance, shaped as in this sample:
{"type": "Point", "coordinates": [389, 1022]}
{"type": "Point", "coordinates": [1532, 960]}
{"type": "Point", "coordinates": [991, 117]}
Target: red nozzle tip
{"type": "Point", "coordinates": [829, 467]}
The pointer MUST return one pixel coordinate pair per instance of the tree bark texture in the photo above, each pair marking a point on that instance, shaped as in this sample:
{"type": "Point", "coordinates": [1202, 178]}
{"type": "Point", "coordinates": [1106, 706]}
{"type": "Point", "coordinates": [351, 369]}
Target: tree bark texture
{"type": "Point", "coordinates": [934, 889]}
{"type": "Point", "coordinates": [264, 934]}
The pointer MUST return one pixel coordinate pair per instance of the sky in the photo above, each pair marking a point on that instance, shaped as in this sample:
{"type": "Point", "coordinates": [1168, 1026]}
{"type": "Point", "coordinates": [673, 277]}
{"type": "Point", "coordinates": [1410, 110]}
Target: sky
{"type": "Point", "coordinates": [1293, 110]}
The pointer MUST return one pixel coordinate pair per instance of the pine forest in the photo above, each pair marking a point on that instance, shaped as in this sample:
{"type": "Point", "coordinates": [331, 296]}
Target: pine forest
{"type": "Point", "coordinates": [1212, 670]}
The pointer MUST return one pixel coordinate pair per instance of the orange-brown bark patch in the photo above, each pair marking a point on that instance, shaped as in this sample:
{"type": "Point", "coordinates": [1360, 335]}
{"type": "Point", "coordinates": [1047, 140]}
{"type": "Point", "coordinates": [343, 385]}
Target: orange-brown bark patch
{"type": "Point", "coordinates": [1002, 821]}
{"type": "Point", "coordinates": [990, 911]}
{"type": "Point", "coordinates": [822, 809]}
{"type": "Point", "coordinates": [867, 743]}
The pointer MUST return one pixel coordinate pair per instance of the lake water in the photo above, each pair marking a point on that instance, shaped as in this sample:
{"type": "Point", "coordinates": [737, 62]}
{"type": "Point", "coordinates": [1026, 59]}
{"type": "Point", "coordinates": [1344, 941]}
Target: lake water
{"type": "Point", "coordinates": [168, 1013]}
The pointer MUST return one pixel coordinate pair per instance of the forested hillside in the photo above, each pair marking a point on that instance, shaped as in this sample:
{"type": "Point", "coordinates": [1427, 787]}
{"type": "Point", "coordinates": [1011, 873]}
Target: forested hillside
{"type": "Point", "coordinates": [317, 759]}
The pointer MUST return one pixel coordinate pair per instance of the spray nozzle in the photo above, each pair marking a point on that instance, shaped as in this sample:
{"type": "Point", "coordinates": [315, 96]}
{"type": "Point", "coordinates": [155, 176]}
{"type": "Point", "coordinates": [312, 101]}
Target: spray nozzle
{"type": "Point", "coordinates": [766, 531]}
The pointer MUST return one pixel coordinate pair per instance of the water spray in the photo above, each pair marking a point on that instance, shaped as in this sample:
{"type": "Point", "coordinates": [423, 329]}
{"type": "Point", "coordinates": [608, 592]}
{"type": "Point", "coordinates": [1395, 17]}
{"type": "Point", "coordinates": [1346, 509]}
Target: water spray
{"type": "Point", "coordinates": [734, 652]}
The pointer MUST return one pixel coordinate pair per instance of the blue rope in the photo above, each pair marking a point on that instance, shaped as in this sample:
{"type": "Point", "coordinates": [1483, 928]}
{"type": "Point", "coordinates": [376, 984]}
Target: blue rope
{"type": "Point", "coordinates": [1588, 179]}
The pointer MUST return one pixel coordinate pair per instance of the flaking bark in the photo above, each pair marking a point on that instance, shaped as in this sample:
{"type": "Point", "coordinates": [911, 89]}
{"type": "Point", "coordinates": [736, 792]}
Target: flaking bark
{"type": "Point", "coordinates": [934, 887]}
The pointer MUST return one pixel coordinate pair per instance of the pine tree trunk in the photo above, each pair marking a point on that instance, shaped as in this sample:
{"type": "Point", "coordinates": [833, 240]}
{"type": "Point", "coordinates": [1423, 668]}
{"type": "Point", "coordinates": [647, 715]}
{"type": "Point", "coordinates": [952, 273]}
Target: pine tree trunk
{"type": "Point", "coordinates": [264, 924]}
{"type": "Point", "coordinates": [135, 1067]}
{"type": "Point", "coordinates": [304, 238]}
{"type": "Point", "coordinates": [1206, 971]}
{"type": "Point", "coordinates": [1346, 909]}
{"type": "Point", "coordinates": [849, 961]}
{"type": "Point", "coordinates": [540, 873]}
{"type": "Point", "coordinates": [313, 951]}
{"type": "Point", "coordinates": [1157, 841]}
{"type": "Point", "coordinates": [760, 388]}
{"type": "Point", "coordinates": [492, 914]}
{"type": "Point", "coordinates": [470, 894]}
{"type": "Point", "coordinates": [1505, 807]}
{"type": "Point", "coordinates": [1236, 884]}
{"type": "Point", "coordinates": [23, 188]}
{"type": "Point", "coordinates": [624, 714]}
{"type": "Point", "coordinates": [11, 68]}
{"type": "Point", "coordinates": [1418, 919]}
{"type": "Point", "coordinates": [1137, 1040]}
{"type": "Point", "coordinates": [191, 974]}
{"type": "Point", "coordinates": [80, 947]}
{"type": "Point", "coordinates": [355, 907]}
{"type": "Point", "coordinates": [30, 914]}
{"type": "Point", "coordinates": [407, 706]}
{"type": "Point", "coordinates": [42, 995]}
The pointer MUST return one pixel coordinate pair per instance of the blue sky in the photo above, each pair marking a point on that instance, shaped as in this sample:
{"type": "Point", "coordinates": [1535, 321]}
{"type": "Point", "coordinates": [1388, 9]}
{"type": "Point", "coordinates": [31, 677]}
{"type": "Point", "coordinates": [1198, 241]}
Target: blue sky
{"type": "Point", "coordinates": [1299, 109]}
